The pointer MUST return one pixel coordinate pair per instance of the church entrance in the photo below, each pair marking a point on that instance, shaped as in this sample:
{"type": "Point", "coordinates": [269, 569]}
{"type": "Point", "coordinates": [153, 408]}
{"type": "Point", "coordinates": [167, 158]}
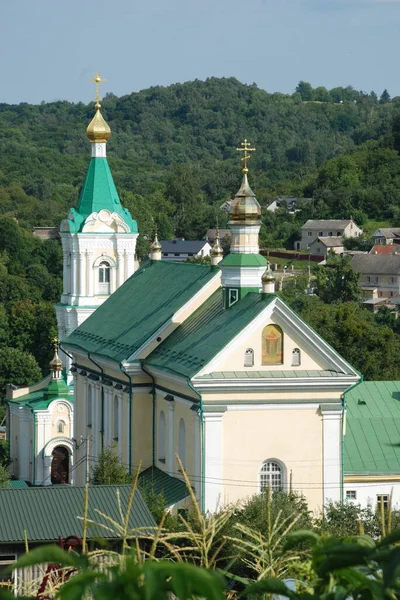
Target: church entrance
{"type": "Point", "coordinates": [60, 465]}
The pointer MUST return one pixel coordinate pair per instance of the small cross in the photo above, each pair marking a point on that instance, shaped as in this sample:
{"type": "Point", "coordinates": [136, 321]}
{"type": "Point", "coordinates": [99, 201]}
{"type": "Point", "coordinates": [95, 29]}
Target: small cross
{"type": "Point", "coordinates": [97, 80]}
{"type": "Point", "coordinates": [246, 148]}
{"type": "Point", "coordinates": [55, 343]}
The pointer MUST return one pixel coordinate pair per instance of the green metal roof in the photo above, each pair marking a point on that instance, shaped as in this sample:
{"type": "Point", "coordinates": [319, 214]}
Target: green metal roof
{"type": "Point", "coordinates": [41, 398]}
{"type": "Point", "coordinates": [244, 260]}
{"type": "Point", "coordinates": [155, 480]}
{"type": "Point", "coordinates": [135, 312]}
{"type": "Point", "coordinates": [99, 192]}
{"type": "Point", "coordinates": [372, 439]}
{"type": "Point", "coordinates": [18, 484]}
{"type": "Point", "coordinates": [206, 332]}
{"type": "Point", "coordinates": [267, 374]}
{"type": "Point", "coordinates": [49, 512]}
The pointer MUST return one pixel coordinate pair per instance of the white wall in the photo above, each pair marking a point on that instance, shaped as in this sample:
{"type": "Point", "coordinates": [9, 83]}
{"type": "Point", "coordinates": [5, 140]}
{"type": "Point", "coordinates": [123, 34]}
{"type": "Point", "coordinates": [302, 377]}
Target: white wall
{"type": "Point", "coordinates": [368, 491]}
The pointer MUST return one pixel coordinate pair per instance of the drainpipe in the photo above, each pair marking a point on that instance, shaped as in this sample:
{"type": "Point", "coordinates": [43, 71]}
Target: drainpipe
{"type": "Point", "coordinates": [121, 368]}
{"type": "Point", "coordinates": [203, 448]}
{"type": "Point", "coordinates": [34, 448]}
{"type": "Point", "coordinates": [102, 400]}
{"type": "Point", "coordinates": [153, 444]}
{"type": "Point", "coordinates": [344, 408]}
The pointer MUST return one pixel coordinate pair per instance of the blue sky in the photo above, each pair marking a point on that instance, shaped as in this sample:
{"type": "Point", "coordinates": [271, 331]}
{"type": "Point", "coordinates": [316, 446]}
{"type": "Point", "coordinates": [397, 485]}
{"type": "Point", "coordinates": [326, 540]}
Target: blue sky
{"type": "Point", "coordinates": [51, 48]}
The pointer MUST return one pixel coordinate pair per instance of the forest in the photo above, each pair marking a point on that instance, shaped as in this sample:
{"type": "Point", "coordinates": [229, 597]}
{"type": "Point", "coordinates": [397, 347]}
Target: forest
{"type": "Point", "coordinates": [173, 157]}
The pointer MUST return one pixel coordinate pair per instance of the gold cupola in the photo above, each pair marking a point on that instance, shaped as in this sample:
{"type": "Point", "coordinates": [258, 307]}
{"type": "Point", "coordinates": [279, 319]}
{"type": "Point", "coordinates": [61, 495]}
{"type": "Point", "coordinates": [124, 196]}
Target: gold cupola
{"type": "Point", "coordinates": [56, 365]}
{"type": "Point", "coordinates": [216, 251]}
{"type": "Point", "coordinates": [244, 207]}
{"type": "Point", "coordinates": [98, 129]}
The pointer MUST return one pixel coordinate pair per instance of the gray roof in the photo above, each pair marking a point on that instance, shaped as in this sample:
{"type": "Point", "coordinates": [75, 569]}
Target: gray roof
{"type": "Point", "coordinates": [375, 263]}
{"type": "Point", "coordinates": [327, 224]}
{"type": "Point", "coordinates": [333, 241]}
{"type": "Point", "coordinates": [46, 513]}
{"type": "Point", "coordinates": [182, 246]}
{"type": "Point", "coordinates": [387, 232]}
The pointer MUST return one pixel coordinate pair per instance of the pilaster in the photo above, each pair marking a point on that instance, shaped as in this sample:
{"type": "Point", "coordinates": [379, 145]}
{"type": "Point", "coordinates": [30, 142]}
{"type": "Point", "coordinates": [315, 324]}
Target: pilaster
{"type": "Point", "coordinates": [213, 439]}
{"type": "Point", "coordinates": [332, 467]}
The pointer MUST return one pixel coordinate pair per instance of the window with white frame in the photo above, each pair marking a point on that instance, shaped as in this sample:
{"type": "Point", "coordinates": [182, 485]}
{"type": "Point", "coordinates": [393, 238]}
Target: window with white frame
{"type": "Point", "coordinates": [162, 437]}
{"type": "Point", "coordinates": [233, 297]}
{"type": "Point", "coordinates": [271, 476]}
{"type": "Point", "coordinates": [61, 426]}
{"type": "Point", "coordinates": [351, 495]}
{"type": "Point", "coordinates": [382, 500]}
{"type": "Point", "coordinates": [89, 407]}
{"type": "Point", "coordinates": [104, 277]}
{"type": "Point", "coordinates": [182, 442]}
{"type": "Point", "coordinates": [115, 418]}
{"type": "Point", "coordinates": [309, 233]}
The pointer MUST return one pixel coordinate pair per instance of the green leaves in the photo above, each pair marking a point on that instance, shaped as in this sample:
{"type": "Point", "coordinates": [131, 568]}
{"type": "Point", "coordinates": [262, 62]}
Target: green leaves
{"type": "Point", "coordinates": [269, 585]}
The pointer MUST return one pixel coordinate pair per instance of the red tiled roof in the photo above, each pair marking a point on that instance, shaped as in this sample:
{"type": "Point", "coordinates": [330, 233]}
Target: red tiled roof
{"type": "Point", "coordinates": [382, 249]}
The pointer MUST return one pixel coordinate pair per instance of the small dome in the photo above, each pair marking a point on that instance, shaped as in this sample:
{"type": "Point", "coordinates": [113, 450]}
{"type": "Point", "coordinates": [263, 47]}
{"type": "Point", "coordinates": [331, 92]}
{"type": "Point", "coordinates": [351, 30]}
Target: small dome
{"type": "Point", "coordinates": [98, 129]}
{"type": "Point", "coordinates": [216, 250]}
{"type": "Point", "coordinates": [244, 207]}
{"type": "Point", "coordinates": [268, 276]}
{"type": "Point", "coordinates": [156, 246]}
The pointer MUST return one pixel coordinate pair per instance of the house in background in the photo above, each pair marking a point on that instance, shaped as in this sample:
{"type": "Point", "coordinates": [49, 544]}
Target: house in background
{"type": "Point", "coordinates": [372, 444]}
{"type": "Point", "coordinates": [179, 249]}
{"type": "Point", "coordinates": [324, 245]}
{"type": "Point", "coordinates": [312, 230]}
{"type": "Point", "coordinates": [385, 249]}
{"type": "Point", "coordinates": [379, 277]}
{"type": "Point", "coordinates": [386, 235]}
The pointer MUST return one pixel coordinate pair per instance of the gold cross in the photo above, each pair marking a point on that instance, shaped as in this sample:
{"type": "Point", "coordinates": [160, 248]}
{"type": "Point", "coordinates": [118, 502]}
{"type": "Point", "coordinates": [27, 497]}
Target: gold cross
{"type": "Point", "coordinates": [97, 80]}
{"type": "Point", "coordinates": [55, 343]}
{"type": "Point", "coordinates": [246, 148]}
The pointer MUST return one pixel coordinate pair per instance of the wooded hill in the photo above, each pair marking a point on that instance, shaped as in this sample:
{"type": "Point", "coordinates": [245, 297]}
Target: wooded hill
{"type": "Point", "coordinates": [172, 154]}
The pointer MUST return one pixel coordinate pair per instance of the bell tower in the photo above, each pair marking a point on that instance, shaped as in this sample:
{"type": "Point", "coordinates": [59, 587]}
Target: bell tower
{"type": "Point", "coordinates": [98, 237]}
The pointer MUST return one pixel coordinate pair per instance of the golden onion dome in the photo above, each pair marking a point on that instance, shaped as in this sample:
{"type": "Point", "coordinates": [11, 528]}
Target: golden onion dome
{"type": "Point", "coordinates": [98, 129]}
{"type": "Point", "coordinates": [56, 363]}
{"type": "Point", "coordinates": [268, 275]}
{"type": "Point", "coordinates": [156, 246]}
{"type": "Point", "coordinates": [244, 207]}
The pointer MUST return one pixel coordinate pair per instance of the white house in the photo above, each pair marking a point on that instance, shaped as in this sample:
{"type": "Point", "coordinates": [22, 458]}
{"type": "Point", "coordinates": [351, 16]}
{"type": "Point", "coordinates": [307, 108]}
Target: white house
{"type": "Point", "coordinates": [312, 230]}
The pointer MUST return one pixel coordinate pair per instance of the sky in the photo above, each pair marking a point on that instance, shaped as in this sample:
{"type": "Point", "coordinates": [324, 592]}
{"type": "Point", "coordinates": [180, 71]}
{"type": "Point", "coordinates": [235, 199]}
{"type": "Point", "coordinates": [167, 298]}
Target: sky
{"type": "Point", "coordinates": [50, 49]}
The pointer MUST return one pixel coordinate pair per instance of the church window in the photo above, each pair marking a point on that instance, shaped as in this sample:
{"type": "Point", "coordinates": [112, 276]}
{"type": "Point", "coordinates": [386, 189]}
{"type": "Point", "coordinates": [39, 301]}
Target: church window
{"type": "Point", "coordinates": [382, 500]}
{"type": "Point", "coordinates": [115, 418]}
{"type": "Point", "coordinates": [162, 437]}
{"type": "Point", "coordinates": [296, 357]}
{"type": "Point", "coordinates": [249, 357]}
{"type": "Point", "coordinates": [60, 426]}
{"type": "Point", "coordinates": [89, 406]}
{"type": "Point", "coordinates": [271, 476]}
{"type": "Point", "coordinates": [351, 495]}
{"type": "Point", "coordinates": [182, 442]}
{"type": "Point", "coordinates": [104, 277]}
{"type": "Point", "coordinates": [233, 296]}
{"type": "Point", "coordinates": [272, 345]}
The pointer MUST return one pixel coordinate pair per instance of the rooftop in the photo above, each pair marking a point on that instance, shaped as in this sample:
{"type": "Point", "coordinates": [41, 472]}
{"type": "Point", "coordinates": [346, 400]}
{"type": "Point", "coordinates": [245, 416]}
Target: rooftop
{"type": "Point", "coordinates": [389, 232]}
{"type": "Point", "coordinates": [375, 263]}
{"type": "Point", "coordinates": [36, 511]}
{"type": "Point", "coordinates": [334, 241]}
{"type": "Point", "coordinates": [385, 249]}
{"type": "Point", "coordinates": [327, 224]}
{"type": "Point", "coordinates": [372, 440]}
{"type": "Point", "coordinates": [173, 489]}
{"type": "Point", "coordinates": [137, 310]}
{"type": "Point", "coordinates": [182, 246]}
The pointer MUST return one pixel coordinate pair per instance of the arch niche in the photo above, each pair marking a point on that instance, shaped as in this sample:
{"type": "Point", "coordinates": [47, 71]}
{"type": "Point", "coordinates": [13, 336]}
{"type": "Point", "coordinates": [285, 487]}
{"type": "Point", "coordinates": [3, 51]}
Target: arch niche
{"type": "Point", "coordinates": [58, 462]}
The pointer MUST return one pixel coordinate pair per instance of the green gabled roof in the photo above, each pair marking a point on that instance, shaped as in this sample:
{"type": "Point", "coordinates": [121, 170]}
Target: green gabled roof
{"type": "Point", "coordinates": [244, 260]}
{"type": "Point", "coordinates": [41, 398]}
{"type": "Point", "coordinates": [206, 332]}
{"type": "Point", "coordinates": [134, 312]}
{"type": "Point", "coordinates": [46, 513]}
{"type": "Point", "coordinates": [155, 480]}
{"type": "Point", "coordinates": [99, 192]}
{"type": "Point", "coordinates": [372, 440]}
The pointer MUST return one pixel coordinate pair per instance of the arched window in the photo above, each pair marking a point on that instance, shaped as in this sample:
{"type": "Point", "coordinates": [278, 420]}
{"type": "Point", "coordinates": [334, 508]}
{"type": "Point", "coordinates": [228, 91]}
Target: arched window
{"type": "Point", "coordinates": [182, 442]}
{"type": "Point", "coordinates": [115, 418]}
{"type": "Point", "coordinates": [89, 415]}
{"type": "Point", "coordinates": [104, 277]}
{"type": "Point", "coordinates": [162, 437]}
{"type": "Point", "coordinates": [249, 358]}
{"type": "Point", "coordinates": [271, 476]}
{"type": "Point", "coordinates": [272, 345]}
{"type": "Point", "coordinates": [296, 357]}
{"type": "Point", "coordinates": [60, 426]}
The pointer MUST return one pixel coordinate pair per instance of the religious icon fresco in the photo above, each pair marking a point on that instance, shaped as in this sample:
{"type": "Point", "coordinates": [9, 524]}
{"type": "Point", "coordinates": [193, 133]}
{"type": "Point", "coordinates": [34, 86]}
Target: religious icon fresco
{"type": "Point", "coordinates": [272, 345]}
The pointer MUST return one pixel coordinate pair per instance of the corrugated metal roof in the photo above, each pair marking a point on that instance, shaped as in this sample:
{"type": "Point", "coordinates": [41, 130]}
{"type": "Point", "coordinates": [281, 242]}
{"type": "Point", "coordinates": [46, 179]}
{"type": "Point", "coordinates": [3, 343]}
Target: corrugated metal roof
{"type": "Point", "coordinates": [206, 332]}
{"type": "Point", "coordinates": [18, 484]}
{"type": "Point", "coordinates": [46, 513]}
{"type": "Point", "coordinates": [372, 440]}
{"type": "Point", "coordinates": [157, 481]}
{"type": "Point", "coordinates": [136, 310]}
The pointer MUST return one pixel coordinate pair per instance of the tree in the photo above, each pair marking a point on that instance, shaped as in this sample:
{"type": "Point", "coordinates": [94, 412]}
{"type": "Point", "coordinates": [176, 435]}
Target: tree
{"type": "Point", "coordinates": [17, 367]}
{"type": "Point", "coordinates": [344, 519]}
{"type": "Point", "coordinates": [109, 469]}
{"type": "Point", "coordinates": [385, 97]}
{"type": "Point", "coordinates": [305, 90]}
{"type": "Point", "coordinates": [339, 283]}
{"type": "Point", "coordinates": [4, 477]}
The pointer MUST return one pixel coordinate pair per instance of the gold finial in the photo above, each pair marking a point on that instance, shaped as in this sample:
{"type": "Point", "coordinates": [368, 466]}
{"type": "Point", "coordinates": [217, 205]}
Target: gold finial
{"type": "Point", "coordinates": [97, 80]}
{"type": "Point", "coordinates": [55, 344]}
{"type": "Point", "coordinates": [246, 148]}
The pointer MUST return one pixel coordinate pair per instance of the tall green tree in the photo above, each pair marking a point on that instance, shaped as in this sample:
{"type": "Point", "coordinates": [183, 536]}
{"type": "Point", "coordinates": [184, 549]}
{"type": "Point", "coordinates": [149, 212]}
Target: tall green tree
{"type": "Point", "coordinates": [109, 470]}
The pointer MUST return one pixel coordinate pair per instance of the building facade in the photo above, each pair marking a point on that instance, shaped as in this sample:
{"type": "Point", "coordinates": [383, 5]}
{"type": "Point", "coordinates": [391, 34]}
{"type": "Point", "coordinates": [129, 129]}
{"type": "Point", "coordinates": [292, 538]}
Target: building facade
{"type": "Point", "coordinates": [312, 230]}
